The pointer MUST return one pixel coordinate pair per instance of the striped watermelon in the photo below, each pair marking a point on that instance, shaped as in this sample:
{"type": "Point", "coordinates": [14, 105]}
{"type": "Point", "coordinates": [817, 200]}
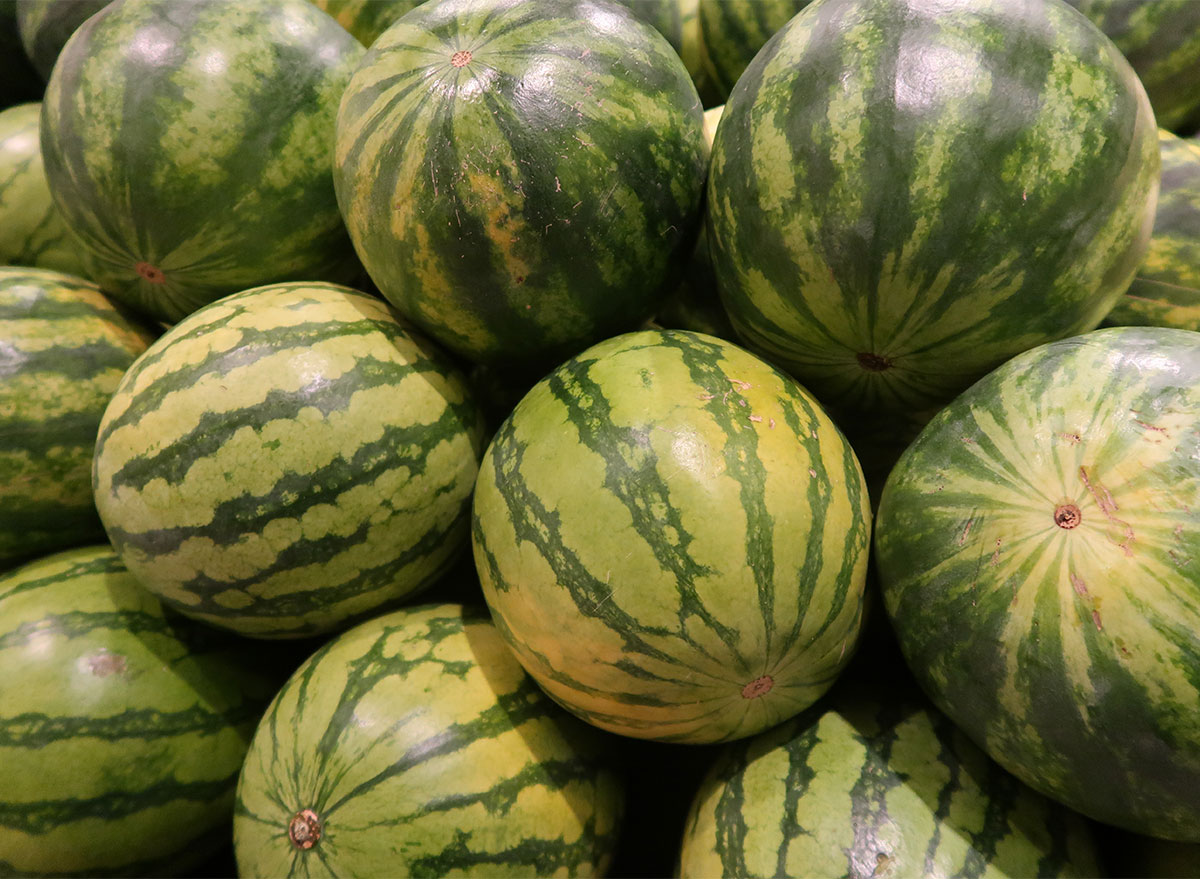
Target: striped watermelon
{"type": "Point", "coordinates": [122, 726]}
{"type": "Point", "coordinates": [1038, 548]}
{"type": "Point", "coordinates": [673, 537]}
{"type": "Point", "coordinates": [1161, 39]}
{"type": "Point", "coordinates": [518, 203]}
{"type": "Point", "coordinates": [414, 745]}
{"type": "Point", "coordinates": [679, 22]}
{"type": "Point", "coordinates": [733, 31]}
{"type": "Point", "coordinates": [286, 459]}
{"type": "Point", "coordinates": [366, 19]}
{"type": "Point", "coordinates": [63, 350]}
{"type": "Point", "coordinates": [875, 785]}
{"type": "Point", "coordinates": [903, 195]}
{"type": "Point", "coordinates": [1166, 291]}
{"type": "Point", "coordinates": [189, 145]}
{"type": "Point", "coordinates": [32, 231]}
{"type": "Point", "coordinates": [46, 25]}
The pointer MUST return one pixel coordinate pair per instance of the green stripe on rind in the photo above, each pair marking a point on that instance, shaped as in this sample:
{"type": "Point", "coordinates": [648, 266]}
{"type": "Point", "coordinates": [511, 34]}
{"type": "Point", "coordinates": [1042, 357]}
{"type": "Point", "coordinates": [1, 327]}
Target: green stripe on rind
{"type": "Point", "coordinates": [1166, 291]}
{"type": "Point", "coordinates": [121, 729]}
{"type": "Point", "coordinates": [46, 25]}
{"type": "Point", "coordinates": [366, 19]}
{"type": "Point", "coordinates": [1070, 655]}
{"type": "Point", "coordinates": [32, 232]}
{"type": "Point", "coordinates": [193, 140]}
{"type": "Point", "coordinates": [664, 520]}
{"type": "Point", "coordinates": [287, 459]}
{"type": "Point", "coordinates": [424, 750]}
{"type": "Point", "coordinates": [896, 180]}
{"type": "Point", "coordinates": [874, 785]}
{"type": "Point", "coordinates": [733, 31]}
{"type": "Point", "coordinates": [1161, 39]}
{"type": "Point", "coordinates": [538, 197]}
{"type": "Point", "coordinates": [64, 350]}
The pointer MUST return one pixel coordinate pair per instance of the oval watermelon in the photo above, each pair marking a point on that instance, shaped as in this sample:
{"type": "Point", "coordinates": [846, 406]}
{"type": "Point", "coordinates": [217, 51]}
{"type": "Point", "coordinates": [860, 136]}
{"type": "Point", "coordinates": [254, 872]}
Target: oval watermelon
{"type": "Point", "coordinates": [672, 535]}
{"type": "Point", "coordinates": [122, 726]}
{"type": "Point", "coordinates": [286, 459]}
{"type": "Point", "coordinates": [521, 179]}
{"type": "Point", "coordinates": [414, 745]}
{"type": "Point", "coordinates": [189, 146]}
{"type": "Point", "coordinates": [903, 195]}
{"type": "Point", "coordinates": [875, 785]}
{"type": "Point", "coordinates": [32, 231]}
{"type": "Point", "coordinates": [1038, 548]}
{"type": "Point", "coordinates": [63, 350]}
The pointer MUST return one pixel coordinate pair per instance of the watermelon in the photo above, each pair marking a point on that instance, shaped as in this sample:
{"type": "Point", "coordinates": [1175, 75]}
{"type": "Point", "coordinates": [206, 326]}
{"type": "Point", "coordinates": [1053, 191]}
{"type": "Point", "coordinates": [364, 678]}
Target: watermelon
{"type": "Point", "coordinates": [875, 784]}
{"type": "Point", "coordinates": [414, 745]}
{"type": "Point", "coordinates": [1166, 291]}
{"type": "Point", "coordinates": [19, 82]}
{"type": "Point", "coordinates": [672, 535]}
{"type": "Point", "coordinates": [733, 31]}
{"type": "Point", "coordinates": [286, 459]}
{"type": "Point", "coordinates": [1038, 549]}
{"type": "Point", "coordinates": [46, 25]}
{"type": "Point", "coordinates": [32, 231]}
{"type": "Point", "coordinates": [189, 146]}
{"type": "Point", "coordinates": [903, 195]}
{"type": "Point", "coordinates": [366, 19]}
{"type": "Point", "coordinates": [517, 203]}
{"type": "Point", "coordinates": [63, 350]}
{"type": "Point", "coordinates": [1161, 39]}
{"type": "Point", "coordinates": [122, 726]}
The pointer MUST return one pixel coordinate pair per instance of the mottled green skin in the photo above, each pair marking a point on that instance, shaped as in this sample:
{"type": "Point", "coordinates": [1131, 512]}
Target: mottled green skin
{"type": "Point", "coordinates": [32, 231]}
{"type": "Point", "coordinates": [1070, 654]}
{"type": "Point", "coordinates": [672, 536]}
{"type": "Point", "coordinates": [288, 459]}
{"type": "Point", "coordinates": [122, 726]}
{"type": "Point", "coordinates": [679, 22]}
{"type": "Point", "coordinates": [63, 350]}
{"type": "Point", "coordinates": [46, 25]}
{"type": "Point", "coordinates": [875, 785]}
{"type": "Point", "coordinates": [189, 146]}
{"type": "Point", "coordinates": [536, 198]}
{"type": "Point", "coordinates": [424, 750]}
{"type": "Point", "coordinates": [19, 82]}
{"type": "Point", "coordinates": [904, 195]}
{"type": "Point", "coordinates": [1166, 291]}
{"type": "Point", "coordinates": [733, 31]}
{"type": "Point", "coordinates": [1161, 39]}
{"type": "Point", "coordinates": [366, 19]}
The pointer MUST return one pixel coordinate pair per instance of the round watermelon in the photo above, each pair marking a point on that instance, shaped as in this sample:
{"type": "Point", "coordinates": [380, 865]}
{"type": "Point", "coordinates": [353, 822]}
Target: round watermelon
{"type": "Point", "coordinates": [46, 25]}
{"type": "Point", "coordinates": [189, 146]}
{"type": "Point", "coordinates": [521, 179]}
{"type": "Point", "coordinates": [32, 231]}
{"type": "Point", "coordinates": [287, 459]}
{"type": "Point", "coordinates": [672, 535]}
{"type": "Point", "coordinates": [414, 745]}
{"type": "Point", "coordinates": [1038, 549]}
{"type": "Point", "coordinates": [903, 195]}
{"type": "Point", "coordinates": [875, 785]}
{"type": "Point", "coordinates": [122, 725]}
{"type": "Point", "coordinates": [63, 350]}
{"type": "Point", "coordinates": [1166, 291]}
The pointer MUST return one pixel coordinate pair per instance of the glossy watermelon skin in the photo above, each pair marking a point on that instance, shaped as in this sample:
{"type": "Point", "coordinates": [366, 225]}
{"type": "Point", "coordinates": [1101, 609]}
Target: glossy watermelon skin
{"type": "Point", "coordinates": [222, 180]}
{"type": "Point", "coordinates": [521, 180]}
{"type": "Point", "coordinates": [287, 459]}
{"type": "Point", "coordinates": [672, 535]}
{"type": "Point", "coordinates": [46, 25]}
{"type": "Point", "coordinates": [1161, 39]}
{"type": "Point", "coordinates": [122, 726]}
{"type": "Point", "coordinates": [888, 231]}
{"type": "Point", "coordinates": [32, 231]}
{"type": "Point", "coordinates": [733, 31]}
{"type": "Point", "coordinates": [63, 350]}
{"type": "Point", "coordinates": [414, 745]}
{"type": "Point", "coordinates": [366, 19]}
{"type": "Point", "coordinates": [875, 784]}
{"type": "Point", "coordinates": [1166, 291]}
{"type": "Point", "coordinates": [1039, 557]}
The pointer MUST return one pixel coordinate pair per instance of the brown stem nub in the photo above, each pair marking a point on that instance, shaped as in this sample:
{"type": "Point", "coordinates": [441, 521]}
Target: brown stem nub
{"type": "Point", "coordinates": [758, 687]}
{"type": "Point", "coordinates": [1067, 516]}
{"type": "Point", "coordinates": [151, 273]}
{"type": "Point", "coordinates": [461, 58]}
{"type": "Point", "coordinates": [873, 362]}
{"type": "Point", "coordinates": [305, 829]}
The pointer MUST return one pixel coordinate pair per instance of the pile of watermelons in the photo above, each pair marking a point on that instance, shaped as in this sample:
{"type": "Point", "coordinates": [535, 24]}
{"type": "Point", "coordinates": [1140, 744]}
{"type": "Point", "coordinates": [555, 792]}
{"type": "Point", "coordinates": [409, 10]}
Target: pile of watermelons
{"type": "Point", "coordinates": [697, 437]}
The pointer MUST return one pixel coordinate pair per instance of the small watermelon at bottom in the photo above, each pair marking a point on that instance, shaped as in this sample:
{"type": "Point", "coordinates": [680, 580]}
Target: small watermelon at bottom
{"type": "Point", "coordinates": [875, 784]}
{"type": "Point", "coordinates": [123, 726]}
{"type": "Point", "coordinates": [414, 745]}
